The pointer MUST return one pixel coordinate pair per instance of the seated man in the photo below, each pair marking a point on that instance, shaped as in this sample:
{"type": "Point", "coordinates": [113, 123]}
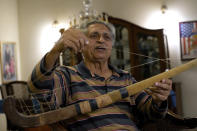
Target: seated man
{"type": "Point", "coordinates": [94, 76]}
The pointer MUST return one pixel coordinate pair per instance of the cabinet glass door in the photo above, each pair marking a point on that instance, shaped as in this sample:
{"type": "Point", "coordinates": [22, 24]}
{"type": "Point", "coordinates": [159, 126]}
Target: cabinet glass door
{"type": "Point", "coordinates": [148, 48]}
{"type": "Point", "coordinates": [120, 56]}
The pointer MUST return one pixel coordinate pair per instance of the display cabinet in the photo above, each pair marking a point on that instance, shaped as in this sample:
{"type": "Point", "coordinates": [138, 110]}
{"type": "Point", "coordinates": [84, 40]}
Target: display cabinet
{"type": "Point", "coordinates": [141, 51]}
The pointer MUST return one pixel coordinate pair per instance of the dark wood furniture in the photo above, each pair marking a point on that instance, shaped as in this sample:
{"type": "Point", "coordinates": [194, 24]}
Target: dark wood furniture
{"type": "Point", "coordinates": [19, 90]}
{"type": "Point", "coordinates": [172, 122]}
{"type": "Point", "coordinates": [136, 46]}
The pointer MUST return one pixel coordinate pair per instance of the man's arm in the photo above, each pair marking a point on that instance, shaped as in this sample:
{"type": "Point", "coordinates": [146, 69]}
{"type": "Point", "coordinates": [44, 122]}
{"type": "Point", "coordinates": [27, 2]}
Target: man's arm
{"type": "Point", "coordinates": [152, 104]}
{"type": "Point", "coordinates": [42, 75]}
{"type": "Point", "coordinates": [71, 38]}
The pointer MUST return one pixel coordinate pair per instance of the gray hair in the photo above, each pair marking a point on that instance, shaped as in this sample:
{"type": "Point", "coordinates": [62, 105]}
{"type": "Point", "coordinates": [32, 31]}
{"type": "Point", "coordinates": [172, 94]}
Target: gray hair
{"type": "Point", "coordinates": [111, 28]}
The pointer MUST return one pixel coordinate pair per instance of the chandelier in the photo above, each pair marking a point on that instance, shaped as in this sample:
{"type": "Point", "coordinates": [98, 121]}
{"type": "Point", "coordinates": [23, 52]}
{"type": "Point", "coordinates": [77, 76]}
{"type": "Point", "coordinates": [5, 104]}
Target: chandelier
{"type": "Point", "coordinates": [86, 15]}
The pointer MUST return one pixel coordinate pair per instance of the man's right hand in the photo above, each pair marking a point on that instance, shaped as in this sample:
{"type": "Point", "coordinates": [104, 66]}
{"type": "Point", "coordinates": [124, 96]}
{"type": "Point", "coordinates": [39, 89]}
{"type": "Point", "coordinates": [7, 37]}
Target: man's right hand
{"type": "Point", "coordinates": [71, 38]}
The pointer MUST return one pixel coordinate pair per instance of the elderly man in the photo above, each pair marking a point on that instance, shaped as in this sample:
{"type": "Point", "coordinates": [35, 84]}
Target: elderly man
{"type": "Point", "coordinates": [94, 76]}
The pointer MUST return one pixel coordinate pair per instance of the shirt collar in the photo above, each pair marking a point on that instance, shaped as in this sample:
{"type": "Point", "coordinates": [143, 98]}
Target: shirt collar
{"type": "Point", "coordinates": [83, 70]}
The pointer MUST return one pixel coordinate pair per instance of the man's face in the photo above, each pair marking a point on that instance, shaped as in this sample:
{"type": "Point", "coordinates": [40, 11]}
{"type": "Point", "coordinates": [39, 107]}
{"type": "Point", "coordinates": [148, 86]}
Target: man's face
{"type": "Point", "coordinates": [100, 43]}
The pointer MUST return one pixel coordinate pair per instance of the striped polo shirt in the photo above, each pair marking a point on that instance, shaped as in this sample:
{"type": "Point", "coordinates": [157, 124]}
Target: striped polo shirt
{"type": "Point", "coordinates": [74, 84]}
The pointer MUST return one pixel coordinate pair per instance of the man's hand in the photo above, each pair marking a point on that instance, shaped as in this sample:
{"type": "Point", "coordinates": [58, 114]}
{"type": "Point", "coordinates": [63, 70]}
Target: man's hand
{"type": "Point", "coordinates": [160, 91]}
{"type": "Point", "coordinates": [71, 38]}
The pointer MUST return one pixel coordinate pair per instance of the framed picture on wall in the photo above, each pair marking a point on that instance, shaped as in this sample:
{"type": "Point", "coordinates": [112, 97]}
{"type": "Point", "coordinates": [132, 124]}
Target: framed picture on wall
{"type": "Point", "coordinates": [188, 39]}
{"type": "Point", "coordinates": [8, 61]}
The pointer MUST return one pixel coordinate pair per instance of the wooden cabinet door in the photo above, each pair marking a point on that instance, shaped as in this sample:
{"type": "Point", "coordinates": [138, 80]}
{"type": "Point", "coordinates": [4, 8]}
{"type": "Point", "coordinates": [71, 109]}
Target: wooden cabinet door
{"type": "Point", "coordinates": [138, 50]}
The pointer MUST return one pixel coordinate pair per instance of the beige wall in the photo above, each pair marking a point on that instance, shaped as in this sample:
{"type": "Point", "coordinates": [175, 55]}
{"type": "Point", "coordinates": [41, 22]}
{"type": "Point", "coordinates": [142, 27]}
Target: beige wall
{"type": "Point", "coordinates": [9, 25]}
{"type": "Point", "coordinates": [9, 32]}
{"type": "Point", "coordinates": [35, 17]}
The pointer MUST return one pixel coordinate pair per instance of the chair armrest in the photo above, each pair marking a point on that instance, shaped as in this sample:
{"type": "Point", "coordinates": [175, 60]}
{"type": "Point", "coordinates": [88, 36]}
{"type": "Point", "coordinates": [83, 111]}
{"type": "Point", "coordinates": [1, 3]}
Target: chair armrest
{"type": "Point", "coordinates": [177, 120]}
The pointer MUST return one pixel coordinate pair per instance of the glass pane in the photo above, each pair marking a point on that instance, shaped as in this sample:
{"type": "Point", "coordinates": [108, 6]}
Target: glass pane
{"type": "Point", "coordinates": [148, 47]}
{"type": "Point", "coordinates": [120, 57]}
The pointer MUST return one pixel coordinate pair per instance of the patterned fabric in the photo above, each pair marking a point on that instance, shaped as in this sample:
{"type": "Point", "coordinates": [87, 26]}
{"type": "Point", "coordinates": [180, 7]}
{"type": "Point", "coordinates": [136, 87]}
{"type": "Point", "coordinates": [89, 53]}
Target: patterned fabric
{"type": "Point", "coordinates": [75, 84]}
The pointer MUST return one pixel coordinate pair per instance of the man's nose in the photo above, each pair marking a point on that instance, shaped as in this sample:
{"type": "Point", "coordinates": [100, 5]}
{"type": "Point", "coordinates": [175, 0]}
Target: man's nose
{"type": "Point", "coordinates": [101, 39]}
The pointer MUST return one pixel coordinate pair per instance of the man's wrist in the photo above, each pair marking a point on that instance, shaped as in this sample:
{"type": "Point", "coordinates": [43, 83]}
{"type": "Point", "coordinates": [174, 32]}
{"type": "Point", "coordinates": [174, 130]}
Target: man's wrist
{"type": "Point", "coordinates": [51, 59]}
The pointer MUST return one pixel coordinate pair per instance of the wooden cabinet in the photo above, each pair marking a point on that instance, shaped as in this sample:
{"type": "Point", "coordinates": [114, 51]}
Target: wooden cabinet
{"type": "Point", "coordinates": [140, 51]}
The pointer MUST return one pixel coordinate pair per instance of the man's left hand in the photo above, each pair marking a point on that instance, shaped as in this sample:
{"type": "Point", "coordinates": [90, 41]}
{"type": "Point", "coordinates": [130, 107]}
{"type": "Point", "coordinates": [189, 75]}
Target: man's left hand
{"type": "Point", "coordinates": [160, 91]}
